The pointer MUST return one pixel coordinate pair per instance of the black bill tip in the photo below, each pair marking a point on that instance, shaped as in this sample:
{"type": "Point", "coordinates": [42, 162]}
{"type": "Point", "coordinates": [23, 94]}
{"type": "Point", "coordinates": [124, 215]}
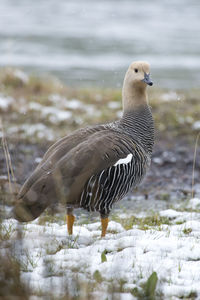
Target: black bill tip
{"type": "Point", "coordinates": [147, 79]}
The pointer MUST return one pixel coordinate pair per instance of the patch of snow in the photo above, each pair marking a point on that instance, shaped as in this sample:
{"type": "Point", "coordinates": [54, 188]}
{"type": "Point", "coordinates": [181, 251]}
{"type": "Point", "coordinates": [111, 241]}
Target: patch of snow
{"type": "Point", "coordinates": [63, 102]}
{"type": "Point", "coordinates": [57, 99]}
{"type": "Point", "coordinates": [39, 129]}
{"type": "Point", "coordinates": [5, 102]}
{"type": "Point", "coordinates": [35, 106]}
{"type": "Point", "coordinates": [194, 203]}
{"type": "Point", "coordinates": [169, 156]}
{"type": "Point", "coordinates": [157, 160]}
{"type": "Point", "coordinates": [131, 256]}
{"type": "Point", "coordinates": [3, 177]}
{"type": "Point", "coordinates": [21, 75]}
{"type": "Point", "coordinates": [22, 106]}
{"type": "Point", "coordinates": [119, 114]}
{"type": "Point", "coordinates": [54, 97]}
{"type": "Point", "coordinates": [115, 227]}
{"type": "Point", "coordinates": [90, 109]}
{"type": "Point", "coordinates": [170, 96]}
{"type": "Point", "coordinates": [170, 213]}
{"type": "Point", "coordinates": [185, 120]}
{"type": "Point", "coordinates": [38, 160]}
{"type": "Point", "coordinates": [196, 125]}
{"type": "Point", "coordinates": [54, 114]}
{"type": "Point", "coordinates": [57, 115]}
{"type": "Point", "coordinates": [126, 296]}
{"type": "Point", "coordinates": [114, 105]}
{"type": "Point", "coordinates": [31, 129]}
{"type": "Point", "coordinates": [74, 104]}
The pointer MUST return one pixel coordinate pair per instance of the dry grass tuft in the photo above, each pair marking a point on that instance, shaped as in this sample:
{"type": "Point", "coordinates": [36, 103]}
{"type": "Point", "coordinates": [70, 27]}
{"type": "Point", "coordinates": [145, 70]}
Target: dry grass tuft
{"type": "Point", "coordinates": [194, 163]}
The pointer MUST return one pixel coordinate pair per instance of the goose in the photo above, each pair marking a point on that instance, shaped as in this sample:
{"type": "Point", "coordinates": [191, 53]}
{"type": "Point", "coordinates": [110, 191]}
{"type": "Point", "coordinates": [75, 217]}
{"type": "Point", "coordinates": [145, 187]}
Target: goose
{"type": "Point", "coordinates": [94, 167]}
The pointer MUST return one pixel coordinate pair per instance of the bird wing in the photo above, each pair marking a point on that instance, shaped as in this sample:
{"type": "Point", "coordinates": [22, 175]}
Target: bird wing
{"type": "Point", "coordinates": [67, 143]}
{"type": "Point", "coordinates": [99, 152]}
{"type": "Point", "coordinates": [72, 168]}
{"type": "Point", "coordinates": [55, 153]}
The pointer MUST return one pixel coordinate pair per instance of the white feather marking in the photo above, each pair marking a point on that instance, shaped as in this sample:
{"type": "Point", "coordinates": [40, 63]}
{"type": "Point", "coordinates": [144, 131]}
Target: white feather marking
{"type": "Point", "coordinates": [125, 160]}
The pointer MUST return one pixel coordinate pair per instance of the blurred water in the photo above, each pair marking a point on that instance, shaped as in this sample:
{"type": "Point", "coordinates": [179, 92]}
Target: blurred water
{"type": "Point", "coordinates": [92, 42]}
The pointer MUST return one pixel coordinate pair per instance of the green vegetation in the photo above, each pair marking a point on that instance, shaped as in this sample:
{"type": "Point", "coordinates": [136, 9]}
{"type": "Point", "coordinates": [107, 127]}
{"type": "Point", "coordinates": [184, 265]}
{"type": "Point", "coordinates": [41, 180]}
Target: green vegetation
{"type": "Point", "coordinates": [148, 289]}
{"type": "Point", "coordinates": [97, 276]}
{"type": "Point", "coordinates": [150, 286]}
{"type": "Point", "coordinates": [5, 233]}
{"type": "Point", "coordinates": [103, 256]}
{"type": "Point", "coordinates": [155, 221]}
{"type": "Point", "coordinates": [187, 230]}
{"type": "Point", "coordinates": [47, 217]}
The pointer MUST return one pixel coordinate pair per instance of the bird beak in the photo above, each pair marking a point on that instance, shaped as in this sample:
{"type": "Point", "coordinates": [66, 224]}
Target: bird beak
{"type": "Point", "coordinates": [147, 79]}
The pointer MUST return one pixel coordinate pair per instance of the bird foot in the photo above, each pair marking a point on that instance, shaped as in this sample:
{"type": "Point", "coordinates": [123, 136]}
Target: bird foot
{"type": "Point", "coordinates": [70, 223]}
{"type": "Point", "coordinates": [104, 225]}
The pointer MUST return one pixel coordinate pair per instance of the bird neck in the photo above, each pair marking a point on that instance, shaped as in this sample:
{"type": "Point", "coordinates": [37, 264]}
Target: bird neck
{"type": "Point", "coordinates": [137, 118]}
{"type": "Point", "coordinates": [133, 97]}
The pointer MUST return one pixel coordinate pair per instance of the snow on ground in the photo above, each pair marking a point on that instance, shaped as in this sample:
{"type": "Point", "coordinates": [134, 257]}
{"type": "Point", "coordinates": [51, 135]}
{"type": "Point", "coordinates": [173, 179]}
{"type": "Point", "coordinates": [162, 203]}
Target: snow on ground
{"type": "Point", "coordinates": [170, 96]}
{"type": "Point", "coordinates": [55, 115]}
{"type": "Point", "coordinates": [40, 130]}
{"type": "Point", "coordinates": [53, 261]}
{"type": "Point", "coordinates": [196, 125]}
{"type": "Point", "coordinates": [5, 102]}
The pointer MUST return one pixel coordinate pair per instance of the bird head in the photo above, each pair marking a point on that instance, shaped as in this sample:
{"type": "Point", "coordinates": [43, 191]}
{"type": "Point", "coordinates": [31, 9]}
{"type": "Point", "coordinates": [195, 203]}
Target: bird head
{"type": "Point", "coordinates": [138, 74]}
{"type": "Point", "coordinates": [134, 87]}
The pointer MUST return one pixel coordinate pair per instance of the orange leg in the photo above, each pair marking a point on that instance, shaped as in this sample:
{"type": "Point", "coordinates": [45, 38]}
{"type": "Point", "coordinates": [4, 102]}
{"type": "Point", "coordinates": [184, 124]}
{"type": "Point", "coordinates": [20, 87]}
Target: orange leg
{"type": "Point", "coordinates": [104, 225]}
{"type": "Point", "coordinates": [70, 222]}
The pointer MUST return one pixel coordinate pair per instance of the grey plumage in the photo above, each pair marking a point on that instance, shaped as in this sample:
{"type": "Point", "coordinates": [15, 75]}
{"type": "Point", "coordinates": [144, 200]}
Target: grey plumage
{"type": "Point", "coordinates": [84, 169]}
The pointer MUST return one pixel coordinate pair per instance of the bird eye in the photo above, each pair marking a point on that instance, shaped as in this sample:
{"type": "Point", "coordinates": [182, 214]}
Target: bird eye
{"type": "Point", "coordinates": [136, 70]}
